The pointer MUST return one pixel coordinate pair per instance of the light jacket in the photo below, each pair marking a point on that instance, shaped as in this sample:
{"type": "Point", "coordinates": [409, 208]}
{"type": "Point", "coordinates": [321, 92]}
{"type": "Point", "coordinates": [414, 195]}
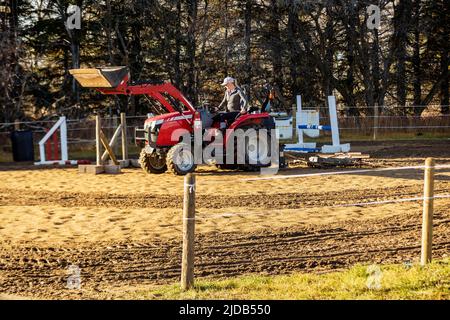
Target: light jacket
{"type": "Point", "coordinates": [235, 101]}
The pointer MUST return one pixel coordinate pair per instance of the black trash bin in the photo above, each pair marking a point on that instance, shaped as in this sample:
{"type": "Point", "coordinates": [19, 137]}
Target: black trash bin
{"type": "Point", "coordinates": [22, 145]}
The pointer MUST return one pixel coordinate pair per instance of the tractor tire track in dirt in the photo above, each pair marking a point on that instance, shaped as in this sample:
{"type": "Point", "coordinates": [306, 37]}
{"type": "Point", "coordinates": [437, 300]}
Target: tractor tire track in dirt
{"type": "Point", "coordinates": [276, 201]}
{"type": "Point", "coordinates": [42, 271]}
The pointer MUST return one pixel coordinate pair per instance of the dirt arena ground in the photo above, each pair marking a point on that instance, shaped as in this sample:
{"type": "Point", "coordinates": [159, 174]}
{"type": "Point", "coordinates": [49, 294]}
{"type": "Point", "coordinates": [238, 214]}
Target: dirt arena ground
{"type": "Point", "coordinates": [124, 231]}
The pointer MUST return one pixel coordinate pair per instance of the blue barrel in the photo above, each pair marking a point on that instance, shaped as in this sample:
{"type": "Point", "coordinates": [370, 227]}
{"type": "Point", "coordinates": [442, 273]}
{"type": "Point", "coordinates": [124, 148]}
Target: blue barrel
{"type": "Point", "coordinates": [22, 145]}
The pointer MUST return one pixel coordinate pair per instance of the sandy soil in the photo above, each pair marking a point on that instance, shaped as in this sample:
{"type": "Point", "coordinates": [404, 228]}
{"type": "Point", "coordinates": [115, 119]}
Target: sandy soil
{"type": "Point", "coordinates": [124, 230]}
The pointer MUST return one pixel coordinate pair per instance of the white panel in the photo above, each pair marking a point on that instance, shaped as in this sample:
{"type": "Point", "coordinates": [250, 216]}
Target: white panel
{"type": "Point", "coordinates": [284, 127]}
{"type": "Point", "coordinates": [310, 117]}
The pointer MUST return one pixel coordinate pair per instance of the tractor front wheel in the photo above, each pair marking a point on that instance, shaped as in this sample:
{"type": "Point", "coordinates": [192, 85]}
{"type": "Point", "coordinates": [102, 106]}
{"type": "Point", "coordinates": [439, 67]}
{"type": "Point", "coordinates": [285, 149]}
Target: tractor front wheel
{"type": "Point", "coordinates": [152, 163]}
{"type": "Point", "coordinates": [180, 159]}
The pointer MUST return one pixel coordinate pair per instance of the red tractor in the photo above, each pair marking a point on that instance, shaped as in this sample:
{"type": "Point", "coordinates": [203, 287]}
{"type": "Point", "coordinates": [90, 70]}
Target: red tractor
{"type": "Point", "coordinates": [162, 147]}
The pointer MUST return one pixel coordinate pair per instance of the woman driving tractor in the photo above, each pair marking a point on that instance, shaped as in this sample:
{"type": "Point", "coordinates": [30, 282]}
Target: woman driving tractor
{"type": "Point", "coordinates": [234, 100]}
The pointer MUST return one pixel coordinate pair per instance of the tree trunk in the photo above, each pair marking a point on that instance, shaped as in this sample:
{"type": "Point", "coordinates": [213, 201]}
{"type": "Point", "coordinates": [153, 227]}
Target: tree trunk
{"type": "Point", "coordinates": [136, 61]}
{"type": "Point", "coordinates": [350, 98]}
{"type": "Point", "coordinates": [275, 45]}
{"type": "Point", "coordinates": [416, 61]}
{"type": "Point", "coordinates": [445, 108]}
{"type": "Point", "coordinates": [329, 58]}
{"type": "Point", "coordinates": [190, 50]}
{"type": "Point", "coordinates": [247, 41]}
{"type": "Point", "coordinates": [376, 72]}
{"type": "Point", "coordinates": [401, 27]}
{"type": "Point", "coordinates": [10, 68]}
{"type": "Point", "coordinates": [227, 47]}
{"type": "Point", "coordinates": [74, 35]}
{"type": "Point", "coordinates": [293, 49]}
{"type": "Point", "coordinates": [109, 30]}
{"type": "Point", "coordinates": [75, 50]}
{"type": "Point", "coordinates": [178, 40]}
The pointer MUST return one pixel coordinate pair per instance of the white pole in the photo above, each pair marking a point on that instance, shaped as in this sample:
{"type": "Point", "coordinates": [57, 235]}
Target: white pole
{"type": "Point", "coordinates": [62, 125]}
{"type": "Point", "coordinates": [334, 121]}
{"type": "Point", "coordinates": [298, 120]}
{"type": "Point", "coordinates": [47, 136]}
{"type": "Point", "coordinates": [64, 151]}
{"type": "Point", "coordinates": [42, 152]}
{"type": "Point", "coordinates": [51, 131]}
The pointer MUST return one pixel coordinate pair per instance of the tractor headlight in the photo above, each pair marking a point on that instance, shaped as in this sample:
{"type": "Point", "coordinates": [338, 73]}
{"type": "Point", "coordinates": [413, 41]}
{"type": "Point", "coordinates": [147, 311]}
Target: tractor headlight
{"type": "Point", "coordinates": [151, 125]}
{"type": "Point", "coordinates": [148, 125]}
{"type": "Point", "coordinates": [151, 131]}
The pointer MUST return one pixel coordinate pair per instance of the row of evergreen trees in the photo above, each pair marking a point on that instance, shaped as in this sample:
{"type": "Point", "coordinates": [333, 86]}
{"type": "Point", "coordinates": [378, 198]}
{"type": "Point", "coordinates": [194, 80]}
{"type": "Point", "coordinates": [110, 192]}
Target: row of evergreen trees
{"type": "Point", "coordinates": [315, 48]}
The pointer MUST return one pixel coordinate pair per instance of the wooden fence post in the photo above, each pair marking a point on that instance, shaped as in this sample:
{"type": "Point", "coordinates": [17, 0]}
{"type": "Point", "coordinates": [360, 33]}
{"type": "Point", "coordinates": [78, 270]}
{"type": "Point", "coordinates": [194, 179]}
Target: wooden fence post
{"type": "Point", "coordinates": [98, 128]}
{"type": "Point", "coordinates": [187, 264]}
{"type": "Point", "coordinates": [427, 222]}
{"type": "Point", "coordinates": [123, 122]}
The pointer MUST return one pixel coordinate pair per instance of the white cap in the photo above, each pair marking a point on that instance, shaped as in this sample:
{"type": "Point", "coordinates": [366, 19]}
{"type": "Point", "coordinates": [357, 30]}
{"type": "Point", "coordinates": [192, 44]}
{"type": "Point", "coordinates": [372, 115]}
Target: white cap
{"type": "Point", "coordinates": [228, 80]}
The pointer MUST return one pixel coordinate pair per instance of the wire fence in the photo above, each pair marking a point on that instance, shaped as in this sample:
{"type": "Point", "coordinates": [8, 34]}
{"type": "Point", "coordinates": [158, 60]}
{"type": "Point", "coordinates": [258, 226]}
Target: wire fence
{"type": "Point", "coordinates": [81, 132]}
{"type": "Point", "coordinates": [346, 205]}
{"type": "Point", "coordinates": [366, 125]}
{"type": "Point", "coordinates": [301, 247]}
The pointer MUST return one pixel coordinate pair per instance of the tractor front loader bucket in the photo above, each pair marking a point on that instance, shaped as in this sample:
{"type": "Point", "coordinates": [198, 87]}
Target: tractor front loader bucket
{"type": "Point", "coordinates": [107, 77]}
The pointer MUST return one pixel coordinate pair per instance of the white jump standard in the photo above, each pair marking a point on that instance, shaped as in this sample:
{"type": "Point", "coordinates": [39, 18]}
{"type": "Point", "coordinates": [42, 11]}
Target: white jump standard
{"type": "Point", "coordinates": [307, 122]}
{"type": "Point", "coordinates": [62, 126]}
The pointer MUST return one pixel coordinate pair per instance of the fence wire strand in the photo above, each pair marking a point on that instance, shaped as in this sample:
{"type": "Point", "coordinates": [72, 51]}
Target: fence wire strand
{"type": "Point", "coordinates": [341, 172]}
{"type": "Point", "coordinates": [356, 204]}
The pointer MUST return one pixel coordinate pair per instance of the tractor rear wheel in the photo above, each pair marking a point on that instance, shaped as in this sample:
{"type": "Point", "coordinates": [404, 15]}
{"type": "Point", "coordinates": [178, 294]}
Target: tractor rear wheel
{"type": "Point", "coordinates": [152, 163]}
{"type": "Point", "coordinates": [180, 159]}
{"type": "Point", "coordinates": [257, 150]}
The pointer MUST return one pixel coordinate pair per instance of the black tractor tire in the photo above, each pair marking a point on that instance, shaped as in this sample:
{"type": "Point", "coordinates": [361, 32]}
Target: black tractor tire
{"type": "Point", "coordinates": [152, 163]}
{"type": "Point", "coordinates": [174, 166]}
